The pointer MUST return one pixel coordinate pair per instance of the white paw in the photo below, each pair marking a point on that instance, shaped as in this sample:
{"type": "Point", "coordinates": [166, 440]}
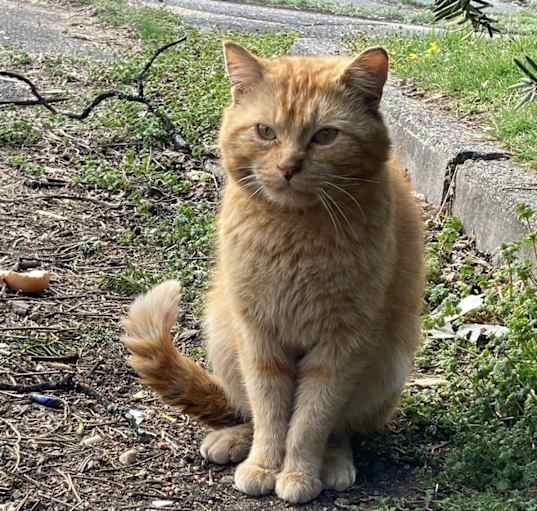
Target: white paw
{"type": "Point", "coordinates": [254, 480]}
{"type": "Point", "coordinates": [297, 487]}
{"type": "Point", "coordinates": [228, 445]}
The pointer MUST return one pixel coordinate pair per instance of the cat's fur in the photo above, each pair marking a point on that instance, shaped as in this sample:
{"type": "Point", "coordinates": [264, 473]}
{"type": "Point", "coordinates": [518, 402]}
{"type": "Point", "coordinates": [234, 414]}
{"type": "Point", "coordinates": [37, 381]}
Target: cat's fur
{"type": "Point", "coordinates": [313, 314]}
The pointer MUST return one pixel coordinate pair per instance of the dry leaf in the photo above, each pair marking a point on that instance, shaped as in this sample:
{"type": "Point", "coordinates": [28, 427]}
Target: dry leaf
{"type": "Point", "coordinates": [428, 381]}
{"type": "Point", "coordinates": [30, 282]}
{"type": "Point", "coordinates": [128, 457]}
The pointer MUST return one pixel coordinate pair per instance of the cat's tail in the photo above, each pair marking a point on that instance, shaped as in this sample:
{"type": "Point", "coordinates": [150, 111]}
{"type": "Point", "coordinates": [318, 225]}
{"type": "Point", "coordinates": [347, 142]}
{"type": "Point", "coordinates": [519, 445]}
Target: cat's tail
{"type": "Point", "coordinates": [178, 380]}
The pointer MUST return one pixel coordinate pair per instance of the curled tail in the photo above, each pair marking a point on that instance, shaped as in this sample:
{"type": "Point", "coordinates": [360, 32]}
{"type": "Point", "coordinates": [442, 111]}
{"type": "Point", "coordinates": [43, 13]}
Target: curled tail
{"type": "Point", "coordinates": [178, 380]}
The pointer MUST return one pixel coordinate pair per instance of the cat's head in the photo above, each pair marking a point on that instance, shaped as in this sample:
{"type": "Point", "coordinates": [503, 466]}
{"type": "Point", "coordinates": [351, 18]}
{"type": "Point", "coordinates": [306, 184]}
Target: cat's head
{"type": "Point", "coordinates": [298, 127]}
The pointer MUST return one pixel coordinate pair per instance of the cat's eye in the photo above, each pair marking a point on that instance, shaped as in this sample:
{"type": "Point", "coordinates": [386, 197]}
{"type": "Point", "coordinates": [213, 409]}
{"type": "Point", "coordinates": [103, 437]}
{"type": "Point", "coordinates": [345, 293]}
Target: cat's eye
{"type": "Point", "coordinates": [265, 132]}
{"type": "Point", "coordinates": [325, 136]}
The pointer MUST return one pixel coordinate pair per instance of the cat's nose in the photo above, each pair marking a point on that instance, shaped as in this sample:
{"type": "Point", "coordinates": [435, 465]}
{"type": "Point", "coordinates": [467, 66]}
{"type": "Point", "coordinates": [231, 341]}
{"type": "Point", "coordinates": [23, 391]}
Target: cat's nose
{"type": "Point", "coordinates": [290, 167]}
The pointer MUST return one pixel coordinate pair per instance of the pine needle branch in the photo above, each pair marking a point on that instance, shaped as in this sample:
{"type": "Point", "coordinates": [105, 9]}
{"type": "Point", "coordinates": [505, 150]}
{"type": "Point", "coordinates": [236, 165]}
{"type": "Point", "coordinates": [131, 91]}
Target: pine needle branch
{"type": "Point", "coordinates": [463, 12]}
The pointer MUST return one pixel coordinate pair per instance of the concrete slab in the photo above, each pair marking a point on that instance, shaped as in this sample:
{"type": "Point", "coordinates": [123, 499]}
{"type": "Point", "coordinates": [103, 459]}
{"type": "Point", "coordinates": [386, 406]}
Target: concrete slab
{"type": "Point", "coordinates": [485, 198]}
{"type": "Point", "coordinates": [423, 146]}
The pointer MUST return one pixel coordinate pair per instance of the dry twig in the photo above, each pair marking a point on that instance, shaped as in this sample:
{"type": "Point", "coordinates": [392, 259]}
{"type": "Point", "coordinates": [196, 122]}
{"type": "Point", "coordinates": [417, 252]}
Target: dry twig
{"type": "Point", "coordinates": [68, 385]}
{"type": "Point", "coordinates": [178, 142]}
{"type": "Point", "coordinates": [16, 446]}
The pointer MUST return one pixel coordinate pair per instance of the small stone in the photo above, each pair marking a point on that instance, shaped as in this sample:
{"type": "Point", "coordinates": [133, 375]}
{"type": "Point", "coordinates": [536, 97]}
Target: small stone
{"type": "Point", "coordinates": [93, 464]}
{"type": "Point", "coordinates": [199, 274]}
{"type": "Point", "coordinates": [419, 196]}
{"type": "Point", "coordinates": [91, 441]}
{"type": "Point", "coordinates": [128, 457]}
{"type": "Point", "coordinates": [140, 395]}
{"type": "Point", "coordinates": [451, 277]}
{"type": "Point", "coordinates": [197, 175]}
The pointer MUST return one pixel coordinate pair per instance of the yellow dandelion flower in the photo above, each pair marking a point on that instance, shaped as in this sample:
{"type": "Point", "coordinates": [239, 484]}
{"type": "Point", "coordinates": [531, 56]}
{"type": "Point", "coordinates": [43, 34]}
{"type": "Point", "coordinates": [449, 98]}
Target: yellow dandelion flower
{"type": "Point", "coordinates": [434, 47]}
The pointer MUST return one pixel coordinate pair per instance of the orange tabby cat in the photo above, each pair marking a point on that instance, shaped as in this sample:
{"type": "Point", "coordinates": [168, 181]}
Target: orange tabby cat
{"type": "Point", "coordinates": [313, 314]}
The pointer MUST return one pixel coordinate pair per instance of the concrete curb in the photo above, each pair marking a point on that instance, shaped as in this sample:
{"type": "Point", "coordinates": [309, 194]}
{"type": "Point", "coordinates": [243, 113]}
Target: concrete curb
{"type": "Point", "coordinates": [451, 165]}
{"type": "Point", "coordinates": [473, 180]}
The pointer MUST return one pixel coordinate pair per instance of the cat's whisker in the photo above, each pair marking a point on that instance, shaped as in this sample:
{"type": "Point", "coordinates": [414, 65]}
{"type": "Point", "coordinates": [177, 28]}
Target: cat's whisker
{"type": "Point", "coordinates": [340, 210]}
{"type": "Point", "coordinates": [352, 179]}
{"type": "Point", "coordinates": [322, 198]}
{"type": "Point", "coordinates": [244, 178]}
{"type": "Point", "coordinates": [255, 193]}
{"type": "Point", "coordinates": [249, 177]}
{"type": "Point", "coordinates": [359, 178]}
{"type": "Point", "coordinates": [352, 197]}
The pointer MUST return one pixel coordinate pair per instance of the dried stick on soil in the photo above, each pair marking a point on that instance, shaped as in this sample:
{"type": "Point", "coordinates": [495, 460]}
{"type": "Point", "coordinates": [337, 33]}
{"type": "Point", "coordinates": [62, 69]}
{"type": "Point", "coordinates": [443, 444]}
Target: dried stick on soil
{"type": "Point", "coordinates": [16, 447]}
{"type": "Point", "coordinates": [175, 137]}
{"type": "Point", "coordinates": [70, 484]}
{"type": "Point", "coordinates": [68, 384]}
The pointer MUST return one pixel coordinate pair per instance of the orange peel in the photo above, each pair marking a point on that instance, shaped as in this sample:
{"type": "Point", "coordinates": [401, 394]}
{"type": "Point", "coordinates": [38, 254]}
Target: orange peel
{"type": "Point", "coordinates": [31, 282]}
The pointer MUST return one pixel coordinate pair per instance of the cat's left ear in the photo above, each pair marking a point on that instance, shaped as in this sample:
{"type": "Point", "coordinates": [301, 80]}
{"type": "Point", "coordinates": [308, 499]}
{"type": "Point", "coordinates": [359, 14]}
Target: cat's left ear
{"type": "Point", "coordinates": [368, 73]}
{"type": "Point", "coordinates": [243, 68]}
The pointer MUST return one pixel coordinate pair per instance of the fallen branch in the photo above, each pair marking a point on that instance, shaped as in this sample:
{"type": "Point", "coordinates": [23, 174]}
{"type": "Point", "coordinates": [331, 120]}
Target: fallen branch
{"type": "Point", "coordinates": [69, 358]}
{"type": "Point", "coordinates": [176, 138]}
{"type": "Point", "coordinates": [66, 385]}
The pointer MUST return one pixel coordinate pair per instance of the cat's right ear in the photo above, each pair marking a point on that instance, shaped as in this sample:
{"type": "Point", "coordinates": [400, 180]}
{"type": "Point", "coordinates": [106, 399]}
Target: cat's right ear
{"type": "Point", "coordinates": [243, 68]}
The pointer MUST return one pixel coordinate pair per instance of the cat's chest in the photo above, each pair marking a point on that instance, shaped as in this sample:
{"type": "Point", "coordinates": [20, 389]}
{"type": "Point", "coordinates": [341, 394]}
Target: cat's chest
{"type": "Point", "coordinates": [284, 258]}
{"type": "Point", "coordinates": [294, 279]}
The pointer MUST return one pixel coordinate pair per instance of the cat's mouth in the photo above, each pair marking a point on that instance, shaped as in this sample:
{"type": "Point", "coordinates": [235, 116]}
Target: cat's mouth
{"type": "Point", "coordinates": [289, 194]}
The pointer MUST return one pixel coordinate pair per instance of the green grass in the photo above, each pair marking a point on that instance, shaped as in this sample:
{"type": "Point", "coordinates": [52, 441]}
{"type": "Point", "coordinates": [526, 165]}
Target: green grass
{"type": "Point", "coordinates": [487, 412]}
{"type": "Point", "coordinates": [18, 132]}
{"type": "Point", "coordinates": [476, 73]}
{"type": "Point", "coordinates": [483, 421]}
{"type": "Point", "coordinates": [420, 17]}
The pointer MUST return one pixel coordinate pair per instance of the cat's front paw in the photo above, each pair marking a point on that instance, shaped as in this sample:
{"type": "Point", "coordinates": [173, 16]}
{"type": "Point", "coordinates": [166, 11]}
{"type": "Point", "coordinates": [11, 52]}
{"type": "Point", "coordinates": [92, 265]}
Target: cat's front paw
{"type": "Point", "coordinates": [228, 445]}
{"type": "Point", "coordinates": [297, 487]}
{"type": "Point", "coordinates": [254, 479]}
{"type": "Point", "coordinates": [339, 473]}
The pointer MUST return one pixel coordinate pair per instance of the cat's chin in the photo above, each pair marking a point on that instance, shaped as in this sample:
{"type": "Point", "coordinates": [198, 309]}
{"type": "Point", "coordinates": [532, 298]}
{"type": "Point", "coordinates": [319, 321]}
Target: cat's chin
{"type": "Point", "coordinates": [290, 198]}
